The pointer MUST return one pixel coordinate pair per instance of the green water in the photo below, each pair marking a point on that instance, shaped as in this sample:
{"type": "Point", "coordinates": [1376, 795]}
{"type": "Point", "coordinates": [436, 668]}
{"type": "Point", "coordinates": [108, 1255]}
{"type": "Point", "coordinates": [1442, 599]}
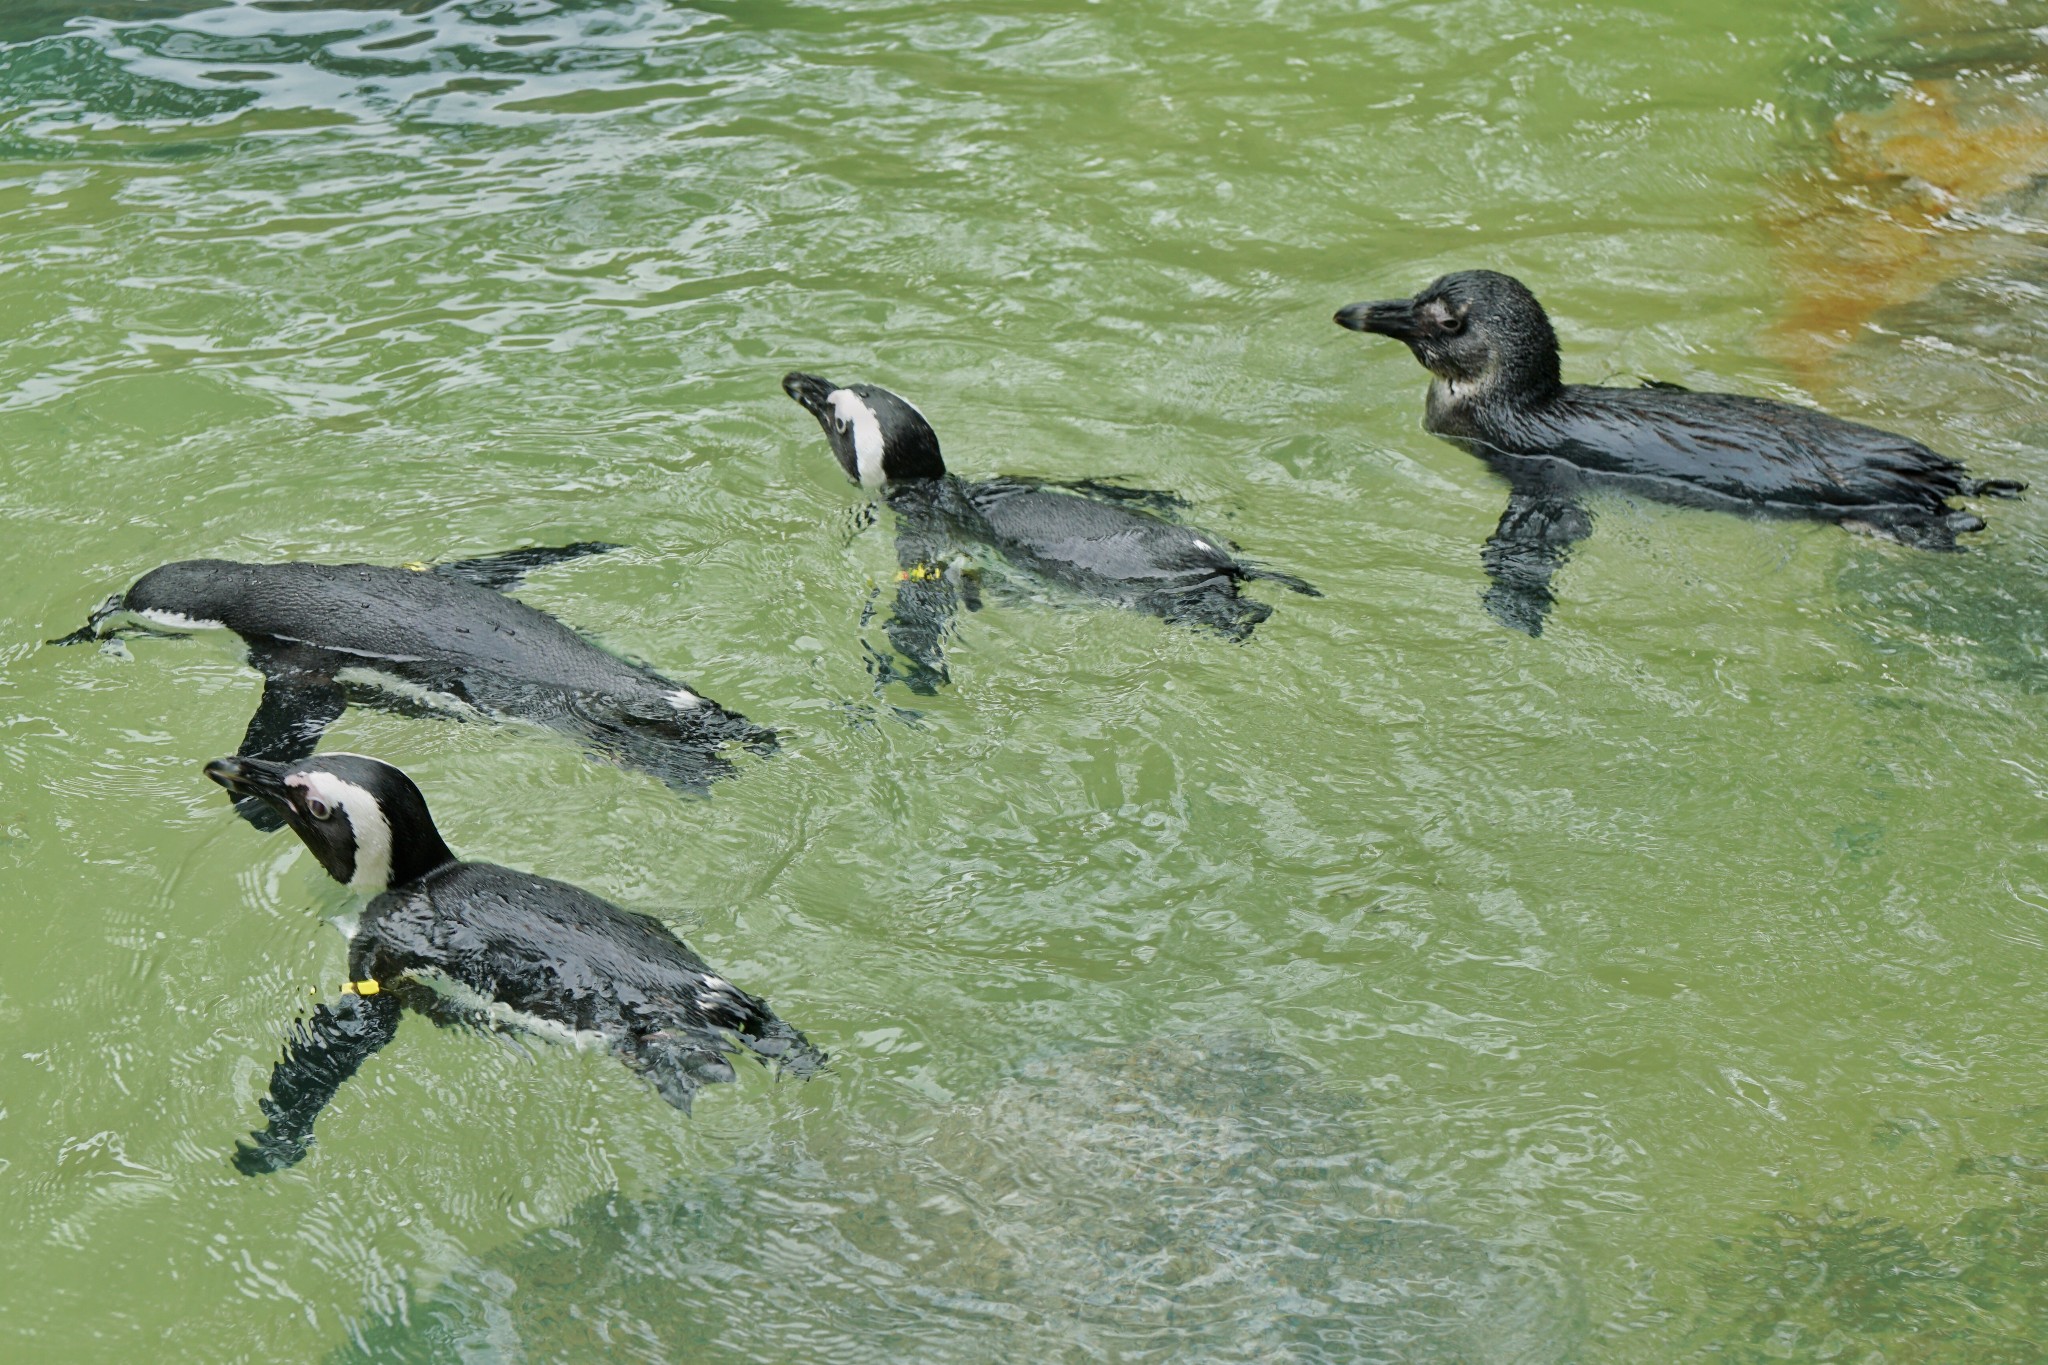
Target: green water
{"type": "Point", "coordinates": [1389, 987]}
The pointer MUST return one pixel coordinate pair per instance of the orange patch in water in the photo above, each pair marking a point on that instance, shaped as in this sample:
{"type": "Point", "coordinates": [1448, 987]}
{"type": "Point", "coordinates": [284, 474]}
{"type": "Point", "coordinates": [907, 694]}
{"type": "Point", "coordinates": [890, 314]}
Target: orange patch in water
{"type": "Point", "coordinates": [1879, 224]}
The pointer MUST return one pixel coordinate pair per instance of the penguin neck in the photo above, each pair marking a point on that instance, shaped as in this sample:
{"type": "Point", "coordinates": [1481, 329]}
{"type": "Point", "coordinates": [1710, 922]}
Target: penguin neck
{"type": "Point", "coordinates": [910, 494]}
{"type": "Point", "coordinates": [425, 854]}
{"type": "Point", "coordinates": [1501, 397]}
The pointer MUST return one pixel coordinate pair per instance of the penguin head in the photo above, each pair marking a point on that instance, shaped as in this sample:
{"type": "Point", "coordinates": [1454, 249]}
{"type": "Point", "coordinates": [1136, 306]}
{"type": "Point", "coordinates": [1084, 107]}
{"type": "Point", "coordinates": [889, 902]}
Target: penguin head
{"type": "Point", "coordinates": [364, 820]}
{"type": "Point", "coordinates": [1476, 327]}
{"type": "Point", "coordinates": [878, 437]}
{"type": "Point", "coordinates": [201, 591]}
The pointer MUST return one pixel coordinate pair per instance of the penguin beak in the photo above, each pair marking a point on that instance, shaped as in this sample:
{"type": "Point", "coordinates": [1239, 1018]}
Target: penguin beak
{"type": "Point", "coordinates": [812, 392]}
{"type": "Point", "coordinates": [1388, 317]}
{"type": "Point", "coordinates": [247, 777]}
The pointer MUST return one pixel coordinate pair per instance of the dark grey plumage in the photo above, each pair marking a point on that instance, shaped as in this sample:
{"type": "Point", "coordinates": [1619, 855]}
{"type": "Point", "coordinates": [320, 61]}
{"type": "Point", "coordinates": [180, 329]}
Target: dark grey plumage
{"type": "Point", "coordinates": [1096, 538]}
{"type": "Point", "coordinates": [315, 631]}
{"type": "Point", "coordinates": [483, 945]}
{"type": "Point", "coordinates": [1496, 390]}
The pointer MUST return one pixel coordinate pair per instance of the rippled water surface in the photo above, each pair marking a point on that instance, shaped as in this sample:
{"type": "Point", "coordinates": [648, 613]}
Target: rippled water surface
{"type": "Point", "coordinates": [1388, 987]}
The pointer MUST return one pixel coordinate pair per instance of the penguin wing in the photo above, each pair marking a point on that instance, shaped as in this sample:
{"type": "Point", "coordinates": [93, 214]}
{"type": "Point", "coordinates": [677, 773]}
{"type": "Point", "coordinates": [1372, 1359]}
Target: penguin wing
{"type": "Point", "coordinates": [1753, 449]}
{"type": "Point", "coordinates": [1156, 500]}
{"type": "Point", "coordinates": [1082, 539]}
{"type": "Point", "coordinates": [319, 1054]}
{"type": "Point", "coordinates": [300, 700]}
{"type": "Point", "coordinates": [1534, 538]}
{"type": "Point", "coordinates": [503, 572]}
{"type": "Point", "coordinates": [931, 585]}
{"type": "Point", "coordinates": [554, 950]}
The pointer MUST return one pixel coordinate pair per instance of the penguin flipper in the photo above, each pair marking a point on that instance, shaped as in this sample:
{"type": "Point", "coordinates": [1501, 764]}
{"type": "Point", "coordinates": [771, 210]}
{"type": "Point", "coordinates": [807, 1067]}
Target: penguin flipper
{"type": "Point", "coordinates": [319, 1054]}
{"type": "Point", "coordinates": [300, 700]}
{"type": "Point", "coordinates": [930, 587]}
{"type": "Point", "coordinates": [1152, 499]}
{"type": "Point", "coordinates": [1535, 537]}
{"type": "Point", "coordinates": [502, 572]}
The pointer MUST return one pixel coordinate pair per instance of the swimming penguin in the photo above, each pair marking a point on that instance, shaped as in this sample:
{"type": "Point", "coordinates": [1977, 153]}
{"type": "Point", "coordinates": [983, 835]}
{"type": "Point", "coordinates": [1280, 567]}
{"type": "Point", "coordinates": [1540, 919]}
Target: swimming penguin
{"type": "Point", "coordinates": [1495, 390]}
{"type": "Point", "coordinates": [442, 640]}
{"type": "Point", "coordinates": [477, 944]}
{"type": "Point", "coordinates": [1086, 535]}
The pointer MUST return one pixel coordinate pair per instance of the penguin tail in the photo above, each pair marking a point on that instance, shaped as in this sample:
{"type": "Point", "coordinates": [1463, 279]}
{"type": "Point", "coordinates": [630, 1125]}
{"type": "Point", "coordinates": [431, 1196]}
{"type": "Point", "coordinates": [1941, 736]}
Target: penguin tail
{"type": "Point", "coordinates": [90, 631]}
{"type": "Point", "coordinates": [1254, 572]}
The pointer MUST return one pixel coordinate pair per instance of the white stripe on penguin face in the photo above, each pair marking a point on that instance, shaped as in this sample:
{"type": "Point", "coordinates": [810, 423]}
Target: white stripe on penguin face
{"type": "Point", "coordinates": [852, 409]}
{"type": "Point", "coordinates": [365, 820]}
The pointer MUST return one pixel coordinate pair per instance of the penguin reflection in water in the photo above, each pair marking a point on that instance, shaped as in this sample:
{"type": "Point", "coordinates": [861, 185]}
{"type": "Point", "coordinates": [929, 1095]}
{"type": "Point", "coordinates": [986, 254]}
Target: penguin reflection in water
{"type": "Point", "coordinates": [1495, 389]}
{"type": "Point", "coordinates": [472, 943]}
{"type": "Point", "coordinates": [440, 640]}
{"type": "Point", "coordinates": [1097, 538]}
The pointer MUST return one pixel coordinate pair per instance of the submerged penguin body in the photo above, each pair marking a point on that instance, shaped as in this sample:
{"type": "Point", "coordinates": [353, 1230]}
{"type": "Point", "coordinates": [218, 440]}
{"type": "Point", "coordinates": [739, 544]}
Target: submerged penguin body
{"type": "Point", "coordinates": [439, 640]}
{"type": "Point", "coordinates": [485, 946]}
{"type": "Point", "coordinates": [1495, 390]}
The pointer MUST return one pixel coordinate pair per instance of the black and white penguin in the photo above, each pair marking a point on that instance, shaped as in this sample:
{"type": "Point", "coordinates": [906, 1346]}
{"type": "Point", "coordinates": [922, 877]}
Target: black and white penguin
{"type": "Point", "coordinates": [442, 640]}
{"type": "Point", "coordinates": [476, 944]}
{"type": "Point", "coordinates": [1496, 390]}
{"type": "Point", "coordinates": [1085, 535]}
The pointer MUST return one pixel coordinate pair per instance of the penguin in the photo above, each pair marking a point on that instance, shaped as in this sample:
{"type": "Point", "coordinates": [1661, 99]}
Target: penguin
{"type": "Point", "coordinates": [441, 640]}
{"type": "Point", "coordinates": [485, 946]}
{"type": "Point", "coordinates": [1495, 389]}
{"type": "Point", "coordinates": [1101, 539]}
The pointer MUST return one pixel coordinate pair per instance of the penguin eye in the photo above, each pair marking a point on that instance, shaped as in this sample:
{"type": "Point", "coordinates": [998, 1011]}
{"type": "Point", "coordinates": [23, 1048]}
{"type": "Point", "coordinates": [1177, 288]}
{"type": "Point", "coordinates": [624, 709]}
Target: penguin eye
{"type": "Point", "coordinates": [318, 809]}
{"type": "Point", "coordinates": [841, 424]}
{"type": "Point", "coordinates": [1452, 325]}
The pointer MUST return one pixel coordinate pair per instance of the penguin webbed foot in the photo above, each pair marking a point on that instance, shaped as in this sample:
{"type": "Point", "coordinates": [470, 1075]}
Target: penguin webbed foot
{"type": "Point", "coordinates": [678, 1065]}
{"type": "Point", "coordinates": [678, 746]}
{"type": "Point", "coordinates": [755, 739]}
{"type": "Point", "coordinates": [1234, 620]}
{"type": "Point", "coordinates": [1935, 531]}
{"type": "Point", "coordinates": [1211, 604]}
{"type": "Point", "coordinates": [682, 770]}
{"type": "Point", "coordinates": [791, 1054]}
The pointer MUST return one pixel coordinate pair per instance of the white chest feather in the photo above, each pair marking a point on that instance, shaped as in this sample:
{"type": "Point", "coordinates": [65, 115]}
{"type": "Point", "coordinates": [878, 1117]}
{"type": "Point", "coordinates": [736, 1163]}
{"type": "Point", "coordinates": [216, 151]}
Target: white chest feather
{"type": "Point", "coordinates": [393, 685]}
{"type": "Point", "coordinates": [498, 1014]}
